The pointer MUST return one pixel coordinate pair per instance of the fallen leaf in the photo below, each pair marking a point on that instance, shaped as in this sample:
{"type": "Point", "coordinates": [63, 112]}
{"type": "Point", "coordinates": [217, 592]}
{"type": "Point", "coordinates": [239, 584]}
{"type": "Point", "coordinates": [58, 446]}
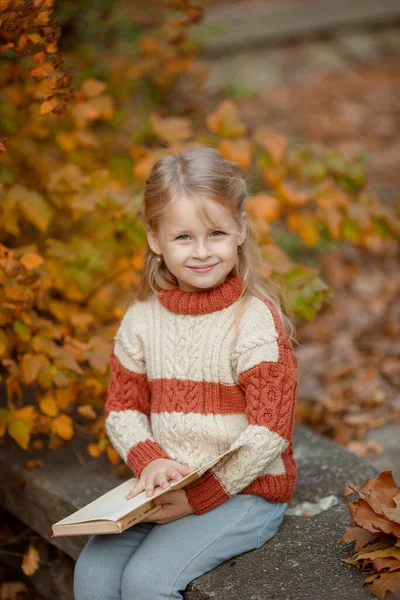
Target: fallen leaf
{"type": "Point", "coordinates": [30, 561]}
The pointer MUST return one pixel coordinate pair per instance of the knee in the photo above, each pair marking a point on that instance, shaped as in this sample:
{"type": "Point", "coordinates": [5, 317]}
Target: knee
{"type": "Point", "coordinates": [90, 582]}
{"type": "Point", "coordinates": [138, 584]}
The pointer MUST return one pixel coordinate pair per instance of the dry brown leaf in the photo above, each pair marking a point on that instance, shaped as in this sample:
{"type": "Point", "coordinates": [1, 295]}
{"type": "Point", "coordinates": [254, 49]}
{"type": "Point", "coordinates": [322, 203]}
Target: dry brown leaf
{"type": "Point", "coordinates": [13, 590]}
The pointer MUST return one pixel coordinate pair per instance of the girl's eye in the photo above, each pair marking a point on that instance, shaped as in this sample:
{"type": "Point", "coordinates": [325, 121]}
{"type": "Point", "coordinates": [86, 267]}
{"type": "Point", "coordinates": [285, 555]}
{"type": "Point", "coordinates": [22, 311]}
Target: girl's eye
{"type": "Point", "coordinates": [185, 235]}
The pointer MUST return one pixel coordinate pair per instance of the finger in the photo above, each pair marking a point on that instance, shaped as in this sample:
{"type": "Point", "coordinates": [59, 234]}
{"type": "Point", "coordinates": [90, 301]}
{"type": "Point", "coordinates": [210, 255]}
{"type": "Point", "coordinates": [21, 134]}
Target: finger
{"type": "Point", "coordinates": [137, 488]}
{"type": "Point", "coordinates": [185, 470]}
{"type": "Point", "coordinates": [149, 486]}
{"type": "Point", "coordinates": [161, 480]}
{"type": "Point", "coordinates": [174, 474]}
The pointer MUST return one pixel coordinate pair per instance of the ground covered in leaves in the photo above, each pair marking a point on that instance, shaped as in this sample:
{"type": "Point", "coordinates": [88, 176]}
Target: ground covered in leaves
{"type": "Point", "coordinates": [349, 358]}
{"type": "Point", "coordinates": [353, 110]}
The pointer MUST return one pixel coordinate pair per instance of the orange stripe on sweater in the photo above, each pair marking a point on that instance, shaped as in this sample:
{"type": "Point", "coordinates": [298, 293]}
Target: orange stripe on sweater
{"type": "Point", "coordinates": [201, 397]}
{"type": "Point", "coordinates": [126, 390]}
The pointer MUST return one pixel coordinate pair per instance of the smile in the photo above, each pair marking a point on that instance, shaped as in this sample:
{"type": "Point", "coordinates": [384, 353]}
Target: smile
{"type": "Point", "coordinates": [203, 269]}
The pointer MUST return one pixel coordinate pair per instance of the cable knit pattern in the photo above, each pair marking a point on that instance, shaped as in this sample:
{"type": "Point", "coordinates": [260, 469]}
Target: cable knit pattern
{"type": "Point", "coordinates": [181, 388]}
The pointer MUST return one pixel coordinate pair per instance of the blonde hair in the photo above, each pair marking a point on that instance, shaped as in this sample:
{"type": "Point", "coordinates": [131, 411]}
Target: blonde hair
{"type": "Point", "coordinates": [198, 173]}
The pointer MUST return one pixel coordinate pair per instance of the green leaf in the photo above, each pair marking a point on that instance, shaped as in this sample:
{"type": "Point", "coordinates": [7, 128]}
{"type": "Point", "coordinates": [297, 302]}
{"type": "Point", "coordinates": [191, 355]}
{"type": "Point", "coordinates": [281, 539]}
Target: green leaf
{"type": "Point", "coordinates": [22, 330]}
{"type": "Point", "coordinates": [20, 432]}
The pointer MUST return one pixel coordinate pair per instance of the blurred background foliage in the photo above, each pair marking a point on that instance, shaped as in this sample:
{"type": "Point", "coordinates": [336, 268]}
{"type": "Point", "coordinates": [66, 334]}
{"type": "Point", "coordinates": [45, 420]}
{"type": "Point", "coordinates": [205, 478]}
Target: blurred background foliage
{"type": "Point", "coordinates": [92, 96]}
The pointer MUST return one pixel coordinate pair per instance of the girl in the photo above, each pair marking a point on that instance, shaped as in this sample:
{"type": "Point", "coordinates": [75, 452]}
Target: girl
{"type": "Point", "coordinates": [201, 363]}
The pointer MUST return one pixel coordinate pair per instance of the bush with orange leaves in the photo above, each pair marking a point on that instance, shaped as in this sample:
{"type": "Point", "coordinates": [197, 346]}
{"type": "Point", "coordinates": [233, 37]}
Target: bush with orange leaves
{"type": "Point", "coordinates": [73, 170]}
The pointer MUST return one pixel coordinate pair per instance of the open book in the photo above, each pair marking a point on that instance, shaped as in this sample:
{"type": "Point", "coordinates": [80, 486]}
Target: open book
{"type": "Point", "coordinates": [113, 513]}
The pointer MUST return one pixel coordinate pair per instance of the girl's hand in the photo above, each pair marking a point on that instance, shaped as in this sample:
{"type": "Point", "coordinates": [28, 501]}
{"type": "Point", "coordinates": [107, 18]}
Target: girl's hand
{"type": "Point", "coordinates": [158, 472]}
{"type": "Point", "coordinates": [174, 505]}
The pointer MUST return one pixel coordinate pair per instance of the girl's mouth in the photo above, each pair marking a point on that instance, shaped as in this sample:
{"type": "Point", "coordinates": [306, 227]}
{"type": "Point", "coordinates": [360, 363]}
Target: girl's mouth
{"type": "Point", "coordinates": [203, 269]}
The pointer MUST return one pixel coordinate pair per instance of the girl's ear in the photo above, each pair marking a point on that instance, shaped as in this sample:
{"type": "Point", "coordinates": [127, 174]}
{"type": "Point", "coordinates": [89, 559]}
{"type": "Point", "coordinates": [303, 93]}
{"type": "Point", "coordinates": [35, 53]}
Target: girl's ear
{"type": "Point", "coordinates": [242, 228]}
{"type": "Point", "coordinates": [152, 241]}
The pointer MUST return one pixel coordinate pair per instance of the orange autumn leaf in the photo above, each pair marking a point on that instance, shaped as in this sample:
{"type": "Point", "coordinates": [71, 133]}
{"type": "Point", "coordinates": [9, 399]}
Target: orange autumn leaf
{"type": "Point", "coordinates": [66, 395]}
{"type": "Point", "coordinates": [384, 583]}
{"type": "Point", "coordinates": [171, 129]}
{"type": "Point", "coordinates": [293, 197]}
{"type": "Point", "coordinates": [226, 121]}
{"type": "Point", "coordinates": [63, 427]}
{"type": "Point", "coordinates": [30, 561]}
{"type": "Point", "coordinates": [28, 414]}
{"type": "Point", "coordinates": [113, 455]}
{"type": "Point", "coordinates": [31, 261]}
{"type": "Point", "coordinates": [273, 142]}
{"type": "Point", "coordinates": [95, 450]}
{"type": "Point", "coordinates": [264, 206]}
{"type": "Point", "coordinates": [239, 151]}
{"type": "Point", "coordinates": [81, 320]}
{"type": "Point", "coordinates": [48, 106]}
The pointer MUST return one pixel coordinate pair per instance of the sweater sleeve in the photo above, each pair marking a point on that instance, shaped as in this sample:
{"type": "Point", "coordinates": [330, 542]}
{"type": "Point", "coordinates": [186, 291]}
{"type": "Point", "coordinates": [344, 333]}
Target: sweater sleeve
{"type": "Point", "coordinates": [127, 406]}
{"type": "Point", "coordinates": [266, 371]}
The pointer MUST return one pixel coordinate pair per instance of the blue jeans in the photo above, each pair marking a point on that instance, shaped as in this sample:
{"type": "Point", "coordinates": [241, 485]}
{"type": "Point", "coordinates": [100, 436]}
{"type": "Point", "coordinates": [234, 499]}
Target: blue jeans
{"type": "Point", "coordinates": [150, 561]}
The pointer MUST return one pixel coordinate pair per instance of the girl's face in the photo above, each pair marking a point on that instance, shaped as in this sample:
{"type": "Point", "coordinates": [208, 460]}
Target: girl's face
{"type": "Point", "coordinates": [185, 243]}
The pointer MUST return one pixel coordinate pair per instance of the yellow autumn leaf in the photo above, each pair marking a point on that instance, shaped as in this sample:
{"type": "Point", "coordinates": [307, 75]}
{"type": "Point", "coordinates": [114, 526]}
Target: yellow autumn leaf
{"type": "Point", "coordinates": [20, 432]}
{"type": "Point", "coordinates": [63, 427]}
{"type": "Point", "coordinates": [48, 405]}
{"type": "Point", "coordinates": [30, 561]}
{"type": "Point", "coordinates": [31, 261]}
{"type": "Point", "coordinates": [87, 411]}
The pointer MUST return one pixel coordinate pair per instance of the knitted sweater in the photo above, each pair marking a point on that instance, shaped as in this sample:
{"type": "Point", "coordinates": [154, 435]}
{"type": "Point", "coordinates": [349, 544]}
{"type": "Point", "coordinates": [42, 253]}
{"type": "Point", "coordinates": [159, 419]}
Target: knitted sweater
{"type": "Point", "coordinates": [180, 388]}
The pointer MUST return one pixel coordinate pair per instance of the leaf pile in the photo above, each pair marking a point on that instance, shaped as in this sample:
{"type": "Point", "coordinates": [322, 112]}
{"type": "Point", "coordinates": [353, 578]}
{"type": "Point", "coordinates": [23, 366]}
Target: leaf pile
{"type": "Point", "coordinates": [349, 358]}
{"type": "Point", "coordinates": [376, 533]}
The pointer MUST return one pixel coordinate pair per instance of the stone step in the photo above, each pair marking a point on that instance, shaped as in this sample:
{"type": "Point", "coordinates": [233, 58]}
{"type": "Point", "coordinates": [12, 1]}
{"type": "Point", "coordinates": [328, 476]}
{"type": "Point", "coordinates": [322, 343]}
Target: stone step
{"type": "Point", "coordinates": [227, 28]}
{"type": "Point", "coordinates": [301, 562]}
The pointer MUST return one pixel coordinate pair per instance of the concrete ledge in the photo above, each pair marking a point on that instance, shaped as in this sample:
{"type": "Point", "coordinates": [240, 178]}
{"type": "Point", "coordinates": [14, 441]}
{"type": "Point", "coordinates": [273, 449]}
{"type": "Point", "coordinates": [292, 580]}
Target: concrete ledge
{"type": "Point", "coordinates": [302, 562]}
{"type": "Point", "coordinates": [227, 28]}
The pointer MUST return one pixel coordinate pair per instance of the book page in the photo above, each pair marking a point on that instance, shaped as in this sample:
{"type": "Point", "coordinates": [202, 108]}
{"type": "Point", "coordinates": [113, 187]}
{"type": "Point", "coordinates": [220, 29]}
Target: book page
{"type": "Point", "coordinates": [113, 505]}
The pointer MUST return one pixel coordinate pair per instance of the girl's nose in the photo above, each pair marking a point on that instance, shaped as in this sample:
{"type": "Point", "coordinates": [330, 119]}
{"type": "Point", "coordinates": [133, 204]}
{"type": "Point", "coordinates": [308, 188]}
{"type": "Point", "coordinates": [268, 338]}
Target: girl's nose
{"type": "Point", "coordinates": [202, 251]}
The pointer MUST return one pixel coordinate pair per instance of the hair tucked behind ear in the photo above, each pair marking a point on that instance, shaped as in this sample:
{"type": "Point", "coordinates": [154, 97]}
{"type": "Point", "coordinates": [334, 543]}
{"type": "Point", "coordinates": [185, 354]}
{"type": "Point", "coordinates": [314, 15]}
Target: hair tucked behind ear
{"type": "Point", "coordinates": [198, 173]}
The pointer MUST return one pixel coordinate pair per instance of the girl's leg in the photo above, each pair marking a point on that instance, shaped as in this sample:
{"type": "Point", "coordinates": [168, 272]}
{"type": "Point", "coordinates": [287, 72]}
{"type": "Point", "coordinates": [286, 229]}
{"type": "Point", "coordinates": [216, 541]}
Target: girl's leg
{"type": "Point", "coordinates": [100, 565]}
{"type": "Point", "coordinates": [174, 554]}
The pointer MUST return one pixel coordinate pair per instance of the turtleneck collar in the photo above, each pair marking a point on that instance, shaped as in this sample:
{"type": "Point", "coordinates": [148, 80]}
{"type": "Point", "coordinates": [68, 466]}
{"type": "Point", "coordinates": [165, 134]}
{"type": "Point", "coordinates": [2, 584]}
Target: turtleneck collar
{"type": "Point", "coordinates": [207, 301]}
